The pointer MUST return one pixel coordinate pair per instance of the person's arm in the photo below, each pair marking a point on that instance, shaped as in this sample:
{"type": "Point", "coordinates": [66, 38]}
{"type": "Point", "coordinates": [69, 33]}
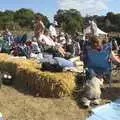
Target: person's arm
{"type": "Point", "coordinates": [50, 28]}
{"type": "Point", "coordinates": [61, 50]}
{"type": "Point", "coordinates": [115, 57]}
{"type": "Point", "coordinates": [41, 40]}
{"type": "Point", "coordinates": [51, 40]}
{"type": "Point", "coordinates": [42, 24]}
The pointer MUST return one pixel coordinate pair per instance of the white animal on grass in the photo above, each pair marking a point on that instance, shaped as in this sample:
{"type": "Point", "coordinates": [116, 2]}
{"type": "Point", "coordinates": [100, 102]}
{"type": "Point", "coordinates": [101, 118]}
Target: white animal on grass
{"type": "Point", "coordinates": [92, 91]}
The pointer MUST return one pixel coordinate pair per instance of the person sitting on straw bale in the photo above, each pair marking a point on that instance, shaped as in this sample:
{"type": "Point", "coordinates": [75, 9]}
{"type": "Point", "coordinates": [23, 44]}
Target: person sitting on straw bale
{"type": "Point", "coordinates": [56, 63]}
{"type": "Point", "coordinates": [52, 30]}
{"type": "Point", "coordinates": [45, 39]}
{"type": "Point", "coordinates": [49, 45]}
{"type": "Point", "coordinates": [8, 36]}
{"type": "Point", "coordinates": [35, 46]}
{"type": "Point", "coordinates": [61, 39]}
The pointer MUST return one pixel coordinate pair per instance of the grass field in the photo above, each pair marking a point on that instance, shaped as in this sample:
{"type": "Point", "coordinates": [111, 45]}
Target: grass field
{"type": "Point", "coordinates": [15, 105]}
{"type": "Point", "coordinates": [18, 106]}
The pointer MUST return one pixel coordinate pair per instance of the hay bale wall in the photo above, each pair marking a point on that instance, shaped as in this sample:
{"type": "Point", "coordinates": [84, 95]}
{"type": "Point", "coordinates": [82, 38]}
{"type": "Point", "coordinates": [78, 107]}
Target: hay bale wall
{"type": "Point", "coordinates": [27, 74]}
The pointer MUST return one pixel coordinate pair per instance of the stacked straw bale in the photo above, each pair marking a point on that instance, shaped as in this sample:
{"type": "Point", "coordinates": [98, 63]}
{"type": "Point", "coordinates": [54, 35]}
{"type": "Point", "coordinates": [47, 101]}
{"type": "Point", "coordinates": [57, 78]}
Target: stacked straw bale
{"type": "Point", "coordinates": [27, 74]}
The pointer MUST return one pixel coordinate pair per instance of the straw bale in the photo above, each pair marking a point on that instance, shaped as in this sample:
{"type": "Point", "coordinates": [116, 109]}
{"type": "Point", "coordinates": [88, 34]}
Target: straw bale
{"type": "Point", "coordinates": [27, 74]}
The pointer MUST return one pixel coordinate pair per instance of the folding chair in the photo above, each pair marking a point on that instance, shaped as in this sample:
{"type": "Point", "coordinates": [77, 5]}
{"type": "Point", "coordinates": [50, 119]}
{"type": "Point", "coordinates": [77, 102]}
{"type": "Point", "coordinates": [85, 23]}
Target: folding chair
{"type": "Point", "coordinates": [98, 61]}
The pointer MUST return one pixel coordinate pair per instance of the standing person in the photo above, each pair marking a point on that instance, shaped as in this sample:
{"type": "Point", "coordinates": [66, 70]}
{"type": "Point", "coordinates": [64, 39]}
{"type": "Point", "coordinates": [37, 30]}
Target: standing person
{"type": "Point", "coordinates": [99, 45]}
{"type": "Point", "coordinates": [39, 27]}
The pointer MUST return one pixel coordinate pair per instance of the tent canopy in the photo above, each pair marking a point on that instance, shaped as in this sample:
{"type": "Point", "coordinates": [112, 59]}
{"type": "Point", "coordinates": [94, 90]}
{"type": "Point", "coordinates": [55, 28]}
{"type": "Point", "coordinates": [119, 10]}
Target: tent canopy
{"type": "Point", "coordinates": [92, 28]}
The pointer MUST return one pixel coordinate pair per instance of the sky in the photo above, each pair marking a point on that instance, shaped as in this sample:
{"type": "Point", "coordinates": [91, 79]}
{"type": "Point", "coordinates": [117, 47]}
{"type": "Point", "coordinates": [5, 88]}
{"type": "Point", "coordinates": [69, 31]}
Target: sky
{"type": "Point", "coordinates": [49, 7]}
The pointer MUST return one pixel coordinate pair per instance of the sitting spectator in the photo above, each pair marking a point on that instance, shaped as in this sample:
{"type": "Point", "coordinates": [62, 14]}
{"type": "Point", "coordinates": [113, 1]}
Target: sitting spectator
{"type": "Point", "coordinates": [52, 30]}
{"type": "Point", "coordinates": [49, 45]}
{"type": "Point", "coordinates": [56, 63]}
{"type": "Point", "coordinates": [61, 39]}
{"type": "Point", "coordinates": [45, 39]}
{"type": "Point", "coordinates": [34, 46]}
{"type": "Point", "coordinates": [69, 44]}
{"type": "Point", "coordinates": [8, 36]}
{"type": "Point", "coordinates": [77, 49]}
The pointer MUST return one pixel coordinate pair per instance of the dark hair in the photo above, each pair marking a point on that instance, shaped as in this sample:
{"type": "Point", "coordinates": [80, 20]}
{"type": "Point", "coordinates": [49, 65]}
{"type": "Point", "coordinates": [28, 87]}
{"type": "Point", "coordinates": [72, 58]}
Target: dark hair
{"type": "Point", "coordinates": [46, 31]}
{"type": "Point", "coordinates": [38, 17]}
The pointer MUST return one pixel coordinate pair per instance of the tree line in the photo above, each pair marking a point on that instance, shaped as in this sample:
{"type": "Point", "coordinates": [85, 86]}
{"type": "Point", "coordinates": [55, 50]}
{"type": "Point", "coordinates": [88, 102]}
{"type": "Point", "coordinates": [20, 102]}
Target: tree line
{"type": "Point", "coordinates": [20, 19]}
{"type": "Point", "coordinates": [69, 21]}
{"type": "Point", "coordinates": [72, 21]}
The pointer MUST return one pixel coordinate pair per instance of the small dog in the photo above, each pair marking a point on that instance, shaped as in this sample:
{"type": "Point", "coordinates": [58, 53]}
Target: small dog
{"type": "Point", "coordinates": [92, 91]}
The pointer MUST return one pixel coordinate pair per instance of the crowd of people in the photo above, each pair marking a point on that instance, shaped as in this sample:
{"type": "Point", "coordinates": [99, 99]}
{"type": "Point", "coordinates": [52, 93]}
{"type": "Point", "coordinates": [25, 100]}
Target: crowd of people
{"type": "Point", "coordinates": [45, 45]}
{"type": "Point", "coordinates": [57, 50]}
{"type": "Point", "coordinates": [51, 43]}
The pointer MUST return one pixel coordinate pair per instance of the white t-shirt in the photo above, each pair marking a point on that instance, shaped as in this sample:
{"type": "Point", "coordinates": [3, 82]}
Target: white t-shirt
{"type": "Point", "coordinates": [9, 33]}
{"type": "Point", "coordinates": [52, 31]}
{"type": "Point", "coordinates": [69, 42]}
{"type": "Point", "coordinates": [47, 40]}
{"type": "Point", "coordinates": [62, 40]}
{"type": "Point", "coordinates": [35, 47]}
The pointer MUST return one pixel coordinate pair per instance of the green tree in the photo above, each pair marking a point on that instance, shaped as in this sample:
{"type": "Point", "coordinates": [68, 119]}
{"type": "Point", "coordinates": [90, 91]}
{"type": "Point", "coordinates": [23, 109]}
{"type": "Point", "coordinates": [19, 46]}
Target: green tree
{"type": "Point", "coordinates": [6, 19]}
{"type": "Point", "coordinates": [70, 20]}
{"type": "Point", "coordinates": [24, 17]}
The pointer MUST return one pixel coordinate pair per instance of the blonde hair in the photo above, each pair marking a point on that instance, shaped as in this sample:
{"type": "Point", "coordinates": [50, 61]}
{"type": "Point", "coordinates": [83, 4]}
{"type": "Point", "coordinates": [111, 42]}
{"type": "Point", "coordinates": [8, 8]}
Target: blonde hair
{"type": "Point", "coordinates": [95, 41]}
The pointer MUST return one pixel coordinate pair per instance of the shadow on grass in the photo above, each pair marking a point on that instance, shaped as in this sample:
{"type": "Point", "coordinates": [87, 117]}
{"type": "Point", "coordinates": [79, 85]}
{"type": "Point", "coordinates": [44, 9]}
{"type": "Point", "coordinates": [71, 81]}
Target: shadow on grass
{"type": "Point", "coordinates": [29, 90]}
{"type": "Point", "coordinates": [111, 93]}
{"type": "Point", "coordinates": [78, 92]}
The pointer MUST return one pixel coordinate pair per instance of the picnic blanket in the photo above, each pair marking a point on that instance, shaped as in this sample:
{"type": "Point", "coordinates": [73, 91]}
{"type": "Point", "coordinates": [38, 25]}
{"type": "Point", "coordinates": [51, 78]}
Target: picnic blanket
{"type": "Point", "coordinates": [110, 111]}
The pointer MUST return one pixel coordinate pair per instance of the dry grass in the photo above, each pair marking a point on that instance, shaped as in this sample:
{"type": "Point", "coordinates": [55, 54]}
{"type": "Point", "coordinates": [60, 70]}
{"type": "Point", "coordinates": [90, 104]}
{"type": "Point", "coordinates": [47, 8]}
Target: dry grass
{"type": "Point", "coordinates": [14, 105]}
{"type": "Point", "coordinates": [27, 73]}
{"type": "Point", "coordinates": [17, 106]}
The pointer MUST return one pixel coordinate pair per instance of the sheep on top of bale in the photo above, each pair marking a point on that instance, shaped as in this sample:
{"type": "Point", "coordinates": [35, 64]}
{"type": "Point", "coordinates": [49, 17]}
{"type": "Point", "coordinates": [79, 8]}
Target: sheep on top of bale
{"type": "Point", "coordinates": [27, 74]}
